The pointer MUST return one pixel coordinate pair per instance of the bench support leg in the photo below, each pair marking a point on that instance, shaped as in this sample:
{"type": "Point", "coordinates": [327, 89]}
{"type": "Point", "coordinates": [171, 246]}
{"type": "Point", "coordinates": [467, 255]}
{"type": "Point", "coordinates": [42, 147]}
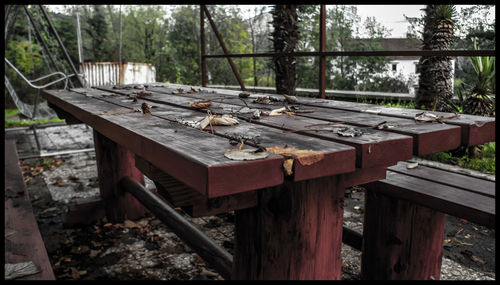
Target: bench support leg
{"type": "Point", "coordinates": [295, 232]}
{"type": "Point", "coordinates": [113, 163]}
{"type": "Point", "coordinates": [401, 240]}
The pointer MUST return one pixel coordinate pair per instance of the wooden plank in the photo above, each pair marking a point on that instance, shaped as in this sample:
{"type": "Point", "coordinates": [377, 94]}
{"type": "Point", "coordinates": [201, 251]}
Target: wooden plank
{"type": "Point", "coordinates": [113, 163]}
{"type": "Point", "coordinates": [475, 129]}
{"type": "Point", "coordinates": [427, 137]}
{"type": "Point", "coordinates": [457, 180]}
{"type": "Point", "coordinates": [170, 146]}
{"type": "Point", "coordinates": [374, 148]}
{"type": "Point", "coordinates": [191, 201]}
{"type": "Point", "coordinates": [401, 240]}
{"type": "Point", "coordinates": [336, 158]}
{"type": "Point", "coordinates": [295, 233]}
{"type": "Point", "coordinates": [476, 208]}
{"type": "Point", "coordinates": [23, 241]}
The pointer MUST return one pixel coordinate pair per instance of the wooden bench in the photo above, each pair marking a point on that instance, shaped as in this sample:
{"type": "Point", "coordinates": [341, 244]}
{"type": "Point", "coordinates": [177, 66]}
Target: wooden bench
{"type": "Point", "coordinates": [23, 242]}
{"type": "Point", "coordinates": [405, 217]}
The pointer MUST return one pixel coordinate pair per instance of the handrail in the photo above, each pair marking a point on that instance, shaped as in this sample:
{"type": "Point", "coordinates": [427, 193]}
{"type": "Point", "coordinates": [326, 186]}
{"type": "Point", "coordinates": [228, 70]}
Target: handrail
{"type": "Point", "coordinates": [64, 77]}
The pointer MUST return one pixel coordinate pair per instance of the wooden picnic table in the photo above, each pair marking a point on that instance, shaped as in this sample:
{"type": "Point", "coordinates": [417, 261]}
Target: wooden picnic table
{"type": "Point", "coordinates": [288, 207]}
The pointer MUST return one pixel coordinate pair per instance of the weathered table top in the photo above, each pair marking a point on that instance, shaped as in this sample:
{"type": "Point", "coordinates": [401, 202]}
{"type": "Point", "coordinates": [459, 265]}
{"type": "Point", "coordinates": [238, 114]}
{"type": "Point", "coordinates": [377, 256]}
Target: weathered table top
{"type": "Point", "coordinates": [318, 127]}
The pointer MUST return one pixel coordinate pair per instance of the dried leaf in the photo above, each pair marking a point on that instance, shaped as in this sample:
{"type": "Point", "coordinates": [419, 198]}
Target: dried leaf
{"type": "Point", "coordinates": [349, 132]}
{"type": "Point", "coordinates": [425, 116]}
{"type": "Point", "coordinates": [288, 166]}
{"type": "Point", "coordinates": [276, 112]}
{"type": "Point", "coordinates": [244, 95]}
{"type": "Point", "coordinates": [245, 154]}
{"type": "Point", "coordinates": [9, 232]}
{"type": "Point", "coordinates": [146, 109]}
{"type": "Point", "coordinates": [16, 270]}
{"type": "Point", "coordinates": [202, 104]}
{"type": "Point", "coordinates": [412, 165]}
{"type": "Point", "coordinates": [179, 91]}
{"type": "Point", "coordinates": [144, 94]}
{"type": "Point", "coordinates": [305, 157]}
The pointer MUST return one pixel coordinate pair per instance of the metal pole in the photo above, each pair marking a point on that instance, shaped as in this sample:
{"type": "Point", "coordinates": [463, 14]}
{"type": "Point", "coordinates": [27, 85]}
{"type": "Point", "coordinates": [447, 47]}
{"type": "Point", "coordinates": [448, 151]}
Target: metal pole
{"type": "Point", "coordinates": [61, 45]}
{"type": "Point", "coordinates": [322, 48]}
{"type": "Point", "coordinates": [79, 38]}
{"type": "Point", "coordinates": [223, 46]}
{"type": "Point", "coordinates": [205, 247]}
{"type": "Point", "coordinates": [40, 38]}
{"type": "Point", "coordinates": [122, 78]}
{"type": "Point", "coordinates": [203, 52]}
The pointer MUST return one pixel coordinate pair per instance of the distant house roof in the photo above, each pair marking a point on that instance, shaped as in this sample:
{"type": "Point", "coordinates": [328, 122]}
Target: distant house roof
{"type": "Point", "coordinates": [398, 44]}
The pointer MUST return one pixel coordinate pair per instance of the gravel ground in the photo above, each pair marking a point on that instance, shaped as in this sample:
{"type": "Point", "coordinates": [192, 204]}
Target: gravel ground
{"type": "Point", "coordinates": [147, 249]}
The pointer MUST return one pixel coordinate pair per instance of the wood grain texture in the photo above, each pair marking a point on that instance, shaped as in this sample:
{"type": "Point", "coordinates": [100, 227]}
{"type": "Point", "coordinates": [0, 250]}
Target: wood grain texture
{"type": "Point", "coordinates": [474, 129]}
{"type": "Point", "coordinates": [427, 137]}
{"type": "Point", "coordinates": [192, 202]}
{"type": "Point", "coordinates": [471, 206]}
{"type": "Point", "coordinates": [457, 180]}
{"type": "Point", "coordinates": [113, 163]}
{"type": "Point", "coordinates": [294, 233]}
{"type": "Point", "coordinates": [372, 149]}
{"type": "Point", "coordinates": [338, 158]}
{"type": "Point", "coordinates": [25, 242]}
{"type": "Point", "coordinates": [171, 147]}
{"type": "Point", "coordinates": [401, 240]}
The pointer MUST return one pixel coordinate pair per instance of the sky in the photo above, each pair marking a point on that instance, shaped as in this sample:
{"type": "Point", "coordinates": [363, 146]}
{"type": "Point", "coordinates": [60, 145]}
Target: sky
{"type": "Point", "coordinates": [390, 16]}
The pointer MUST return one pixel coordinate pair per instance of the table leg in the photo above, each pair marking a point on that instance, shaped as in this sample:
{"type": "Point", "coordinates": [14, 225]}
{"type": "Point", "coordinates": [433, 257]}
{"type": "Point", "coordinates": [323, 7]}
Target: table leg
{"type": "Point", "coordinates": [401, 240]}
{"type": "Point", "coordinates": [113, 163]}
{"type": "Point", "coordinates": [295, 232]}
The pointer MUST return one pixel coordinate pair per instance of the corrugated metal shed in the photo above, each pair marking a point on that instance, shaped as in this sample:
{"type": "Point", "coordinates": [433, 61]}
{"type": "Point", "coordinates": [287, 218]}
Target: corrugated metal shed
{"type": "Point", "coordinates": [109, 73]}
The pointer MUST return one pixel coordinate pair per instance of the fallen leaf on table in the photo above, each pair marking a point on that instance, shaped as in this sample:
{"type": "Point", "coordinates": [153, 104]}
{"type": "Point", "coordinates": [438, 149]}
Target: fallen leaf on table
{"type": "Point", "coordinates": [288, 166]}
{"type": "Point", "coordinates": [245, 154]}
{"type": "Point", "coordinates": [349, 132]}
{"type": "Point", "coordinates": [304, 156]}
{"type": "Point", "coordinates": [146, 109]}
{"type": "Point", "coordinates": [412, 165]}
{"type": "Point", "coordinates": [202, 104]}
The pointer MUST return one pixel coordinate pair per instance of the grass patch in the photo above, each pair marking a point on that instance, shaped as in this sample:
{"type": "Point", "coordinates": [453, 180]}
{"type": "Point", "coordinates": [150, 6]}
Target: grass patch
{"type": "Point", "coordinates": [11, 112]}
{"type": "Point", "coordinates": [483, 158]}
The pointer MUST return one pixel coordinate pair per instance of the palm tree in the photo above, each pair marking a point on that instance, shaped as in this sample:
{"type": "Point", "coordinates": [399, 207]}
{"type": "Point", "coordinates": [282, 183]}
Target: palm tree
{"type": "Point", "coordinates": [285, 37]}
{"type": "Point", "coordinates": [480, 97]}
{"type": "Point", "coordinates": [436, 83]}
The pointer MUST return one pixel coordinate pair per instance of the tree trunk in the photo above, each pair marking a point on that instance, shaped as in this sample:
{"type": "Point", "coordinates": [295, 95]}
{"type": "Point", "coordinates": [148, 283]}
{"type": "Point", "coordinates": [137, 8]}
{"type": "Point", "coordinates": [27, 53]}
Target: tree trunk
{"type": "Point", "coordinates": [436, 82]}
{"type": "Point", "coordinates": [285, 37]}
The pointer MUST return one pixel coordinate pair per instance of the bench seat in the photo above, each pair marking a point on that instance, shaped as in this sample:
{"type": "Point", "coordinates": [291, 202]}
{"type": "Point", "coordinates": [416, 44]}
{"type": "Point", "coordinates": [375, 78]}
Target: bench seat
{"type": "Point", "coordinates": [23, 242]}
{"type": "Point", "coordinates": [405, 216]}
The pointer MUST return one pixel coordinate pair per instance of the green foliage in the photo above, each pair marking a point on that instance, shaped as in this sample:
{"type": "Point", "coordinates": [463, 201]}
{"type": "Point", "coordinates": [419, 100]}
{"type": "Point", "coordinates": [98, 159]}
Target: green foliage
{"type": "Point", "coordinates": [21, 123]}
{"type": "Point", "coordinates": [483, 161]}
{"type": "Point", "coordinates": [11, 112]}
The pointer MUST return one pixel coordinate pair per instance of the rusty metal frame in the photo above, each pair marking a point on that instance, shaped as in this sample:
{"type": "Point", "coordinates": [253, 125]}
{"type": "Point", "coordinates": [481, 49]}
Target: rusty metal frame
{"type": "Point", "coordinates": [322, 54]}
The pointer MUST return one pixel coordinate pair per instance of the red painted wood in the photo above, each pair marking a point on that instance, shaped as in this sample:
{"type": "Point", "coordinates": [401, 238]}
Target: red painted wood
{"type": "Point", "coordinates": [25, 242]}
{"type": "Point", "coordinates": [183, 152]}
{"type": "Point", "coordinates": [113, 163]}
{"type": "Point", "coordinates": [401, 240]}
{"type": "Point", "coordinates": [294, 233]}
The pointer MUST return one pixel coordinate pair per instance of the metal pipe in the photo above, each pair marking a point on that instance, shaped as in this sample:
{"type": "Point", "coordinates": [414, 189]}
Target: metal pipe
{"type": "Point", "coordinates": [46, 154]}
{"type": "Point", "coordinates": [322, 48]}
{"type": "Point", "coordinates": [61, 45]}
{"type": "Point", "coordinates": [223, 46]}
{"type": "Point", "coordinates": [367, 53]}
{"type": "Point", "coordinates": [205, 247]}
{"type": "Point", "coordinates": [203, 52]}
{"type": "Point", "coordinates": [40, 38]}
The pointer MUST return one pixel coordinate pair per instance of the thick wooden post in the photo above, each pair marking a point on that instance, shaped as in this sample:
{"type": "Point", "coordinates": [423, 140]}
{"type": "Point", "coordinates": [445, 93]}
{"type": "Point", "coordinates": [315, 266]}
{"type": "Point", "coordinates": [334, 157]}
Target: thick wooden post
{"type": "Point", "coordinates": [401, 240]}
{"type": "Point", "coordinates": [295, 232]}
{"type": "Point", "coordinates": [113, 163]}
